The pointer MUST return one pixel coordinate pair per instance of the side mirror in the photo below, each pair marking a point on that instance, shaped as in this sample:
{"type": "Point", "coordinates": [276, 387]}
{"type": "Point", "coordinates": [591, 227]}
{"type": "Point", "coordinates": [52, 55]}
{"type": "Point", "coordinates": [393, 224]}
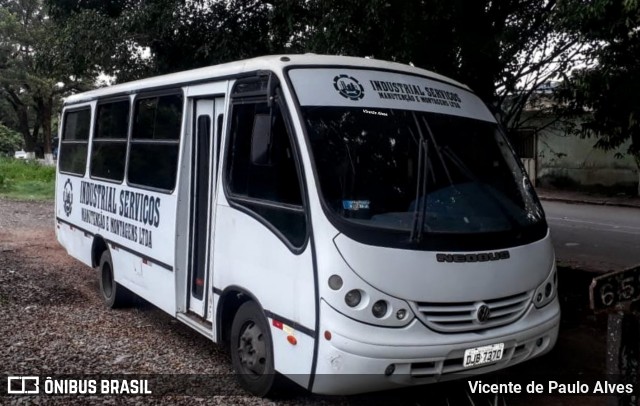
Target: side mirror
{"type": "Point", "coordinates": [261, 140]}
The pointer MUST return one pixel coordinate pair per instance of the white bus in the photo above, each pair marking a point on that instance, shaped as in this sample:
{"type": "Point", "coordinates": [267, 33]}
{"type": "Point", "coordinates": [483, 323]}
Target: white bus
{"type": "Point", "coordinates": [351, 224]}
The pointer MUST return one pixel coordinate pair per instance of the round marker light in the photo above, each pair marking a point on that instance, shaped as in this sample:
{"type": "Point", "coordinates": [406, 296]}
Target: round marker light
{"type": "Point", "coordinates": [379, 309]}
{"type": "Point", "coordinates": [547, 289]}
{"type": "Point", "coordinates": [401, 314]}
{"type": "Point", "coordinates": [353, 298]}
{"type": "Point", "coordinates": [335, 282]}
{"type": "Point", "coordinates": [539, 298]}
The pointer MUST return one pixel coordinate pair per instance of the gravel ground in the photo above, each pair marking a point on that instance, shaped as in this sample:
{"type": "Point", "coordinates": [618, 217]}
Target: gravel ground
{"type": "Point", "coordinates": [53, 321]}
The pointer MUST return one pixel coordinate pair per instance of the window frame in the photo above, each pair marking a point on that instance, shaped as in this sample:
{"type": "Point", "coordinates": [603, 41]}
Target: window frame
{"type": "Point", "coordinates": [240, 202]}
{"type": "Point", "coordinates": [361, 234]}
{"type": "Point", "coordinates": [75, 109]}
{"type": "Point", "coordinates": [177, 142]}
{"type": "Point", "coordinates": [112, 140]}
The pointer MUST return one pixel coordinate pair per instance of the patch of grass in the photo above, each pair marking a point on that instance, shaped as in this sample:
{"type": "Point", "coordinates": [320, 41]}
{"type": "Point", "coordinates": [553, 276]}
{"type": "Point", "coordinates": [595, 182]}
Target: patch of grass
{"type": "Point", "coordinates": [26, 180]}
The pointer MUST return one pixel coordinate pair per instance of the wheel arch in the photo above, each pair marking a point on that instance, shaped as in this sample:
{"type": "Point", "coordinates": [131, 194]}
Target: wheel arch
{"type": "Point", "coordinates": [98, 246]}
{"type": "Point", "coordinates": [231, 298]}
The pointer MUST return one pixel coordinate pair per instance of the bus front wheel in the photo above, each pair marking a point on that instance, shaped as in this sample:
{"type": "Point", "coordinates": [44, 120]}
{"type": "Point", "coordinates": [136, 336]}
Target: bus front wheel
{"type": "Point", "coordinates": [114, 294]}
{"type": "Point", "coordinates": [252, 350]}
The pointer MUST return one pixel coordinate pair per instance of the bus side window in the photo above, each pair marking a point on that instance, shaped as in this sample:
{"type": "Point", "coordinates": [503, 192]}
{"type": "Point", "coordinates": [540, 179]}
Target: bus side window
{"type": "Point", "coordinates": [109, 146]}
{"type": "Point", "coordinates": [270, 188]}
{"type": "Point", "coordinates": [153, 156]}
{"type": "Point", "coordinates": [75, 139]}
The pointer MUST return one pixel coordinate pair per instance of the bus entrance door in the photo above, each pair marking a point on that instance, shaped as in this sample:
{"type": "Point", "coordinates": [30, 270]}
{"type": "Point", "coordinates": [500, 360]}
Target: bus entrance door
{"type": "Point", "coordinates": [205, 146]}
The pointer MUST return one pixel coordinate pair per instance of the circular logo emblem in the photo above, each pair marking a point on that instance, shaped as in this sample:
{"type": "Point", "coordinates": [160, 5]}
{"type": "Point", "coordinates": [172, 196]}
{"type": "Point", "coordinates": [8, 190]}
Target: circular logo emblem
{"type": "Point", "coordinates": [67, 197]}
{"type": "Point", "coordinates": [348, 87]}
{"type": "Point", "coordinates": [483, 313]}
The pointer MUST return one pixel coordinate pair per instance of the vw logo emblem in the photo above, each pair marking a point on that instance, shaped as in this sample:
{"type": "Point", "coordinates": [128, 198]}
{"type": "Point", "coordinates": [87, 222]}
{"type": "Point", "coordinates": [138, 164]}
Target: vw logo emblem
{"type": "Point", "coordinates": [483, 313]}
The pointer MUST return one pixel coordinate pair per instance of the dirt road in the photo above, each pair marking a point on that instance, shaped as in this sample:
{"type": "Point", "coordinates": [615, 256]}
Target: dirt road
{"type": "Point", "coordinates": [52, 321]}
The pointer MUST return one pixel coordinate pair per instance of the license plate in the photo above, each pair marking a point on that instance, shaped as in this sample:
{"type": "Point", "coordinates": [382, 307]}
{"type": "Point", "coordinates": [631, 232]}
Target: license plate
{"type": "Point", "coordinates": [483, 355]}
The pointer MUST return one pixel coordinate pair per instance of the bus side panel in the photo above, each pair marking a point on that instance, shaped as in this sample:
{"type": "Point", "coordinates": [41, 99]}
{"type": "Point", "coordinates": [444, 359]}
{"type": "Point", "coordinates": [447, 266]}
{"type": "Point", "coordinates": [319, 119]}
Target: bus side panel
{"type": "Point", "coordinates": [146, 279]}
{"type": "Point", "coordinates": [250, 256]}
{"type": "Point", "coordinates": [144, 249]}
{"type": "Point", "coordinates": [137, 224]}
{"type": "Point", "coordinates": [76, 241]}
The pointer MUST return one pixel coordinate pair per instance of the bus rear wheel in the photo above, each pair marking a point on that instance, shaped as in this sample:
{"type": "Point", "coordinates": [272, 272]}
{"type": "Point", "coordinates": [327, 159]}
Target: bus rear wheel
{"type": "Point", "coordinates": [252, 350]}
{"type": "Point", "coordinates": [114, 294]}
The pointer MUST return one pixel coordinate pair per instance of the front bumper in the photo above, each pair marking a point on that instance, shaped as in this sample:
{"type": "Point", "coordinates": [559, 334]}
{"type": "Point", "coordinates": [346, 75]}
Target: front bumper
{"type": "Point", "coordinates": [358, 357]}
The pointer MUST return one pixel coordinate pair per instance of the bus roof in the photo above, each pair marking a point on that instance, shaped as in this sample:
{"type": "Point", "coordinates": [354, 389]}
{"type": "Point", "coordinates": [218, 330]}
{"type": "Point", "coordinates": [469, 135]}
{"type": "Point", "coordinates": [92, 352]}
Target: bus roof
{"type": "Point", "coordinates": [272, 62]}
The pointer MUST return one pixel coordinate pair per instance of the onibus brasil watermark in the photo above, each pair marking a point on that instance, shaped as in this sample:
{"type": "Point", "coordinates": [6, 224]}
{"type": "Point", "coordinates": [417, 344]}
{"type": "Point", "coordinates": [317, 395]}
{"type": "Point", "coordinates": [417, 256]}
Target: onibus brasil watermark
{"type": "Point", "coordinates": [32, 385]}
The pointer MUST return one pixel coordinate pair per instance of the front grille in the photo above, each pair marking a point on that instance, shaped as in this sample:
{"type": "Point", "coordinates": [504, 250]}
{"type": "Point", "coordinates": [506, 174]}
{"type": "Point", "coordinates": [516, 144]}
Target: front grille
{"type": "Point", "coordinates": [462, 316]}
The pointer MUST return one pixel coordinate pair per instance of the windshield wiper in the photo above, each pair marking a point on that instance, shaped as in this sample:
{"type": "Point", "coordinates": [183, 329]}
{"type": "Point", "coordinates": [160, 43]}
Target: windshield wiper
{"type": "Point", "coordinates": [419, 212]}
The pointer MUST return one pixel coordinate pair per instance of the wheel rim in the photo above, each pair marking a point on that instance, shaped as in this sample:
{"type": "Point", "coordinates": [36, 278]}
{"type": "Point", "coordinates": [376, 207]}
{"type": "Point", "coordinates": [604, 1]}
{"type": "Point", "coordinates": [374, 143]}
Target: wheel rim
{"type": "Point", "coordinates": [107, 280]}
{"type": "Point", "coordinates": [252, 349]}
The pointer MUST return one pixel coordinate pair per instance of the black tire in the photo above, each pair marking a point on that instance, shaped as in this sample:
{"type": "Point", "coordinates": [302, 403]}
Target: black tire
{"type": "Point", "coordinates": [252, 350]}
{"type": "Point", "coordinates": [114, 294]}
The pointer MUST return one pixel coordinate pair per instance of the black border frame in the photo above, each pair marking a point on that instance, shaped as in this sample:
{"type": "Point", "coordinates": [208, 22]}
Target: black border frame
{"type": "Point", "coordinates": [173, 90]}
{"type": "Point", "coordinates": [88, 141]}
{"type": "Point", "coordinates": [234, 200]}
{"type": "Point", "coordinates": [101, 102]}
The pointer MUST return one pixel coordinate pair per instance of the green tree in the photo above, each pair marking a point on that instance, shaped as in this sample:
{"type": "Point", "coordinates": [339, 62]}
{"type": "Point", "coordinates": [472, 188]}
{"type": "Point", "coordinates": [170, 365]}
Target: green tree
{"type": "Point", "coordinates": [33, 70]}
{"type": "Point", "coordinates": [134, 39]}
{"type": "Point", "coordinates": [605, 94]}
{"type": "Point", "coordinates": [503, 50]}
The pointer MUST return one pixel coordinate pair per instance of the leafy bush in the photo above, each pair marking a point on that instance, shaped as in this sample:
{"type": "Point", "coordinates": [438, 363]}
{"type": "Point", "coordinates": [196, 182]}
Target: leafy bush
{"type": "Point", "coordinates": [10, 141]}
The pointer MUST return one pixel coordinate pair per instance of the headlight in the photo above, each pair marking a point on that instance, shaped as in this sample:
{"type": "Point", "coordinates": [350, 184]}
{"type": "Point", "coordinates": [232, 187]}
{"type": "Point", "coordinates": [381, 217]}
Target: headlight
{"type": "Point", "coordinates": [335, 282]}
{"type": "Point", "coordinates": [351, 296]}
{"type": "Point", "coordinates": [379, 309]}
{"type": "Point", "coordinates": [547, 290]}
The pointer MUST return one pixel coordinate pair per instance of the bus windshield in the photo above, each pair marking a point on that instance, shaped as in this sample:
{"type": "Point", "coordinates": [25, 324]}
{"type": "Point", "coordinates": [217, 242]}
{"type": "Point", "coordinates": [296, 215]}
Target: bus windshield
{"type": "Point", "coordinates": [418, 173]}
